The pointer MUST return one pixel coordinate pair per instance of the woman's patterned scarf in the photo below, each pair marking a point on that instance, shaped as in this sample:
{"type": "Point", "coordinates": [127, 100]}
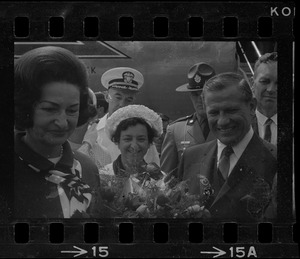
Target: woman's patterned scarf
{"type": "Point", "coordinates": [74, 195]}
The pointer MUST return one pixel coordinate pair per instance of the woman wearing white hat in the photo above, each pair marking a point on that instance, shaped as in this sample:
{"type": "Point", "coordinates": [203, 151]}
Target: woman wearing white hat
{"type": "Point", "coordinates": [123, 85]}
{"type": "Point", "coordinates": [133, 129]}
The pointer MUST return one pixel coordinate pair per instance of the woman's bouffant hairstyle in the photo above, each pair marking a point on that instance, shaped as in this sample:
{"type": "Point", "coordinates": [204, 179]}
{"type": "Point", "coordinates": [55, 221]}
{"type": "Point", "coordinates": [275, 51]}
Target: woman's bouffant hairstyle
{"type": "Point", "coordinates": [125, 124]}
{"type": "Point", "coordinates": [41, 66]}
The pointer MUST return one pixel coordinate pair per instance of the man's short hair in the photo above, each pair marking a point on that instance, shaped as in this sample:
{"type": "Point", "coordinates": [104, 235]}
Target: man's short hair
{"type": "Point", "coordinates": [225, 80]}
{"type": "Point", "coordinates": [266, 58]}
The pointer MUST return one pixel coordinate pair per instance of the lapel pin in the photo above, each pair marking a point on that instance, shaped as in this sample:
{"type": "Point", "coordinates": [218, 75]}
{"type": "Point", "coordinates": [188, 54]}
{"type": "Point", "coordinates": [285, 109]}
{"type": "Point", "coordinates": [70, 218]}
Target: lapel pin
{"type": "Point", "coordinates": [185, 142]}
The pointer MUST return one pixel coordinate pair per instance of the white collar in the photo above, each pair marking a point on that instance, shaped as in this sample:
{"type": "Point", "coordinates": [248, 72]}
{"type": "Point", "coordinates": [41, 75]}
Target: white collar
{"type": "Point", "coordinates": [261, 118]}
{"type": "Point", "coordinates": [240, 147]}
{"type": "Point", "coordinates": [102, 122]}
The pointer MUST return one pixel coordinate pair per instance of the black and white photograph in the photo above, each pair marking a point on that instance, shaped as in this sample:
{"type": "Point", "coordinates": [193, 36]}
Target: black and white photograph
{"type": "Point", "coordinates": [177, 147]}
{"type": "Point", "coordinates": [156, 149]}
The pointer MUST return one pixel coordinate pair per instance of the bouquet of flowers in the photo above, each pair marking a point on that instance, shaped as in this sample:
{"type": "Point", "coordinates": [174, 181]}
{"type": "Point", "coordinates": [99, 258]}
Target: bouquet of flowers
{"type": "Point", "coordinates": [146, 195]}
{"type": "Point", "coordinates": [122, 195]}
{"type": "Point", "coordinates": [177, 202]}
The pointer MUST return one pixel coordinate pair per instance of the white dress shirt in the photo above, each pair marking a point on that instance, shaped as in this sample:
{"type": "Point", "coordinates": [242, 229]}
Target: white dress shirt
{"type": "Point", "coordinates": [261, 121]}
{"type": "Point", "coordinates": [237, 149]}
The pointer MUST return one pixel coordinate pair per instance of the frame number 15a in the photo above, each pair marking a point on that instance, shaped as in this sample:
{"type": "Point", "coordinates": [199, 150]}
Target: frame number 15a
{"type": "Point", "coordinates": [241, 251]}
{"type": "Point", "coordinates": [234, 251]}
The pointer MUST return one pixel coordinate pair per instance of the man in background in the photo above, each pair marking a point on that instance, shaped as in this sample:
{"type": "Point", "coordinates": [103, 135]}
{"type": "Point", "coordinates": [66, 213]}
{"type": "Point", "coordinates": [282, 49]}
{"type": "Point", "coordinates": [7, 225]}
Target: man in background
{"type": "Point", "coordinates": [123, 85]}
{"type": "Point", "coordinates": [265, 91]}
{"type": "Point", "coordinates": [192, 129]}
{"type": "Point", "coordinates": [158, 141]}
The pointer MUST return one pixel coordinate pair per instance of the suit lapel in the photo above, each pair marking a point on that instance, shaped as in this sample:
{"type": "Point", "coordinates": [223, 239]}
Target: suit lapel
{"type": "Point", "coordinates": [242, 171]}
{"type": "Point", "coordinates": [208, 162]}
{"type": "Point", "coordinates": [204, 168]}
{"type": "Point", "coordinates": [239, 173]}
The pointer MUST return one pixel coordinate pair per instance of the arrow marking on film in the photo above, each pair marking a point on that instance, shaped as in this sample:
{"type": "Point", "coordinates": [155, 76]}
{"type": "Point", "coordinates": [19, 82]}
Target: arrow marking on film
{"type": "Point", "coordinates": [79, 251]}
{"type": "Point", "coordinates": [217, 253]}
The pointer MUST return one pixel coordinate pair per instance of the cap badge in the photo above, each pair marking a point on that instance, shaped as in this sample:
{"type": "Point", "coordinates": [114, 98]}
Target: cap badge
{"type": "Point", "coordinates": [197, 79]}
{"type": "Point", "coordinates": [128, 77]}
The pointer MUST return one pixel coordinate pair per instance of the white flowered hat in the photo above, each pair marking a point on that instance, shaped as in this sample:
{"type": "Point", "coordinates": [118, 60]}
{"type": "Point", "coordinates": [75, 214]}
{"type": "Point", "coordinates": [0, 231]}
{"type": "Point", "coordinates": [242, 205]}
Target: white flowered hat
{"type": "Point", "coordinates": [130, 111]}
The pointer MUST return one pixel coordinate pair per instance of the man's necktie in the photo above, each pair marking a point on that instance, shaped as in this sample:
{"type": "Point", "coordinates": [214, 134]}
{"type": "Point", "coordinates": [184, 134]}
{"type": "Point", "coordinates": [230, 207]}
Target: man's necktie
{"type": "Point", "coordinates": [224, 163]}
{"type": "Point", "coordinates": [205, 128]}
{"type": "Point", "coordinates": [268, 130]}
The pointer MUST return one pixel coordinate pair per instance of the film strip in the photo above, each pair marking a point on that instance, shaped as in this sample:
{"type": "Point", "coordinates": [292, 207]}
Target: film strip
{"type": "Point", "coordinates": [97, 33]}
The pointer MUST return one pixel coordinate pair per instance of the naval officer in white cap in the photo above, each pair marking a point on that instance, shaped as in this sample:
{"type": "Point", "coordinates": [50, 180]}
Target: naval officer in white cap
{"type": "Point", "coordinates": [122, 84]}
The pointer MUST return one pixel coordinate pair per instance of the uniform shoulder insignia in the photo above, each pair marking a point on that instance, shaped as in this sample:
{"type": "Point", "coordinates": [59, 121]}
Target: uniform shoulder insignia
{"type": "Point", "coordinates": [189, 117]}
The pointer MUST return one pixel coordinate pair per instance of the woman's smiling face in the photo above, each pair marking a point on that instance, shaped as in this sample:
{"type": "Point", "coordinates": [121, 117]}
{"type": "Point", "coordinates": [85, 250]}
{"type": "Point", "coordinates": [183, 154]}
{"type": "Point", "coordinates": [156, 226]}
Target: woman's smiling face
{"type": "Point", "coordinates": [56, 114]}
{"type": "Point", "coordinates": [134, 144]}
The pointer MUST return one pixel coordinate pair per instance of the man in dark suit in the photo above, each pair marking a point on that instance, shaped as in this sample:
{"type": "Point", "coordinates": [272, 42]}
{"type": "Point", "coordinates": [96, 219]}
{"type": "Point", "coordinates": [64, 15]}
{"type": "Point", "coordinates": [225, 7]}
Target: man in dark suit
{"type": "Point", "coordinates": [265, 92]}
{"type": "Point", "coordinates": [234, 173]}
{"type": "Point", "coordinates": [189, 130]}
